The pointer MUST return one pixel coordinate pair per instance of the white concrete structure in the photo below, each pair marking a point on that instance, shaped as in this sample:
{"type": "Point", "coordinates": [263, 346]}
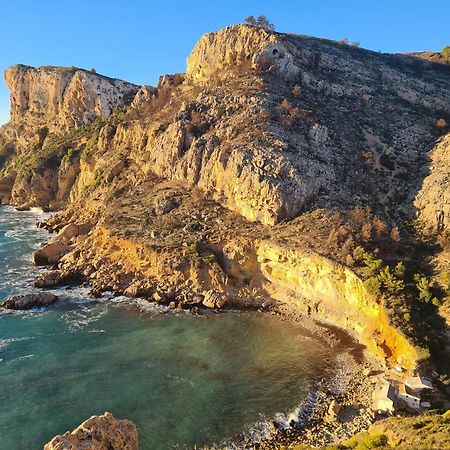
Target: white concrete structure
{"type": "Point", "coordinates": [419, 383]}
{"type": "Point", "coordinates": [384, 398]}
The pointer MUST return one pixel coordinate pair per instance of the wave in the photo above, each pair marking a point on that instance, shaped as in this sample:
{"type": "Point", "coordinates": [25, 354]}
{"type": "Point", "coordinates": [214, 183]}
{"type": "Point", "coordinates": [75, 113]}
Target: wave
{"type": "Point", "coordinates": [299, 416]}
{"type": "Point", "coordinates": [5, 342]}
{"type": "Point", "coordinates": [81, 318]}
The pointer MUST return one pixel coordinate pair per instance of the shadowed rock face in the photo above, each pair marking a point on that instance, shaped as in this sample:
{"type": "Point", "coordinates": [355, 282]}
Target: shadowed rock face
{"type": "Point", "coordinates": [98, 433]}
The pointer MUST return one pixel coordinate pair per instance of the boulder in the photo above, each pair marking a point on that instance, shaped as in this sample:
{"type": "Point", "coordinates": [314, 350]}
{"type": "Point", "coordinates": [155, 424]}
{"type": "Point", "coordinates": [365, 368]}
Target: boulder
{"type": "Point", "coordinates": [98, 433]}
{"type": "Point", "coordinates": [51, 278]}
{"type": "Point", "coordinates": [28, 301]}
{"type": "Point", "coordinates": [70, 231]}
{"type": "Point", "coordinates": [54, 278]}
{"type": "Point", "coordinates": [50, 254]}
{"type": "Point", "coordinates": [332, 414]}
{"type": "Point", "coordinates": [215, 300]}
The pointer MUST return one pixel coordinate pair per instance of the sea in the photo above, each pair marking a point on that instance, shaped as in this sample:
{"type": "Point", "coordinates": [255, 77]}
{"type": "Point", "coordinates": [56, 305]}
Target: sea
{"type": "Point", "coordinates": [187, 381]}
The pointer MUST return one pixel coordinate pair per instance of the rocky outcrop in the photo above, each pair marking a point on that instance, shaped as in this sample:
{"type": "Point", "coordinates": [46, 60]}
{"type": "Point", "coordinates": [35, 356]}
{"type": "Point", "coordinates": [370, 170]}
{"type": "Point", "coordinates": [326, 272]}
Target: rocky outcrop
{"type": "Point", "coordinates": [6, 186]}
{"type": "Point", "coordinates": [29, 301]}
{"type": "Point", "coordinates": [60, 244]}
{"type": "Point", "coordinates": [98, 433]}
{"type": "Point", "coordinates": [433, 199]}
{"type": "Point", "coordinates": [60, 98]}
{"type": "Point", "coordinates": [241, 48]}
{"type": "Point", "coordinates": [214, 300]}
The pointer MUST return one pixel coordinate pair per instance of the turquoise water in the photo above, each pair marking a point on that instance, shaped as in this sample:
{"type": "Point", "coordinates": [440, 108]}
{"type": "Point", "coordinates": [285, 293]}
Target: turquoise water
{"type": "Point", "coordinates": [184, 380]}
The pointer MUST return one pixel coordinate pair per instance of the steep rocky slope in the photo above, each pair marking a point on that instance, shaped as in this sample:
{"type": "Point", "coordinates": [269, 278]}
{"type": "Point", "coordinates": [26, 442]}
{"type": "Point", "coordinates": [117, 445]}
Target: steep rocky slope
{"type": "Point", "coordinates": [247, 180]}
{"type": "Point", "coordinates": [60, 98]}
{"type": "Point", "coordinates": [45, 103]}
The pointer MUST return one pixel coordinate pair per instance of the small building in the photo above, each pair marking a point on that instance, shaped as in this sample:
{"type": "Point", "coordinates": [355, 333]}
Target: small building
{"type": "Point", "coordinates": [419, 383]}
{"type": "Point", "coordinates": [384, 398]}
{"type": "Point", "coordinates": [408, 396]}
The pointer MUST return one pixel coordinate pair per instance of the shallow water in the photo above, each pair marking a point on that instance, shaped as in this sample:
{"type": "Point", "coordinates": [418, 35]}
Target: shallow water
{"type": "Point", "coordinates": [184, 380]}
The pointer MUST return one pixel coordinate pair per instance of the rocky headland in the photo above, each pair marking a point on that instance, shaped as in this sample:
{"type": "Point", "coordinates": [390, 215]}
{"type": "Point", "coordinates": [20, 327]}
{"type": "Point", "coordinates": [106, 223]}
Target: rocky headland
{"type": "Point", "coordinates": [98, 433]}
{"type": "Point", "coordinates": [280, 172]}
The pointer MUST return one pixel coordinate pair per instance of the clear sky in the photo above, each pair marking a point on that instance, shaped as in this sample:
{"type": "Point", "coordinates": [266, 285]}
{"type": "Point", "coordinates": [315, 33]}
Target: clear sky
{"type": "Point", "coordinates": [138, 40]}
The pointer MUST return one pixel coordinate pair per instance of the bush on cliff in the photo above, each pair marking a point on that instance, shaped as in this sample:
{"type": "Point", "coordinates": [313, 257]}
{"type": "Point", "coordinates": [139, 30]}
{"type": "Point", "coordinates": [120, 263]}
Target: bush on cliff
{"type": "Point", "coordinates": [260, 22]}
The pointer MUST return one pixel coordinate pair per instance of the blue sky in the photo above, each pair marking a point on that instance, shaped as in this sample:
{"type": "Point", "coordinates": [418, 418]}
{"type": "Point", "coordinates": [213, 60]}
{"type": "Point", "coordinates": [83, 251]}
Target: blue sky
{"type": "Point", "coordinates": [139, 40]}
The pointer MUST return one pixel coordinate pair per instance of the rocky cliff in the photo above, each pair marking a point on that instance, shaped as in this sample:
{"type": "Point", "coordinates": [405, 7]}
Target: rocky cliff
{"type": "Point", "coordinates": [61, 98]}
{"type": "Point", "coordinates": [46, 103]}
{"type": "Point", "coordinates": [251, 178]}
{"type": "Point", "coordinates": [317, 114]}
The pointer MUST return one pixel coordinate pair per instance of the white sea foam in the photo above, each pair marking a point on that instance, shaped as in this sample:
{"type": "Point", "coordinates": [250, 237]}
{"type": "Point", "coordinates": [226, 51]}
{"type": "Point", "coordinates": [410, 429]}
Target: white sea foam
{"type": "Point", "coordinates": [25, 357]}
{"type": "Point", "coordinates": [82, 317]}
{"type": "Point", "coordinates": [4, 343]}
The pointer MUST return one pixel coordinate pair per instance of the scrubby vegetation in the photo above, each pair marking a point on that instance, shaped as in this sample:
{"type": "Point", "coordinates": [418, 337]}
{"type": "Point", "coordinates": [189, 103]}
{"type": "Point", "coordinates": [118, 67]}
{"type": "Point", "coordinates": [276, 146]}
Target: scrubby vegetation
{"type": "Point", "coordinates": [52, 149]}
{"type": "Point", "coordinates": [394, 264]}
{"type": "Point", "coordinates": [261, 22]}
{"type": "Point", "coordinates": [429, 431]}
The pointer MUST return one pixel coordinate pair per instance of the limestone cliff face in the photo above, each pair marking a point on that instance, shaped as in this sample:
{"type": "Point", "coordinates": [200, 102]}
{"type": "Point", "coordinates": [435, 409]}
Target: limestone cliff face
{"type": "Point", "coordinates": [294, 123]}
{"type": "Point", "coordinates": [354, 119]}
{"type": "Point", "coordinates": [47, 102]}
{"type": "Point", "coordinates": [62, 98]}
{"type": "Point", "coordinates": [240, 48]}
{"type": "Point", "coordinates": [333, 293]}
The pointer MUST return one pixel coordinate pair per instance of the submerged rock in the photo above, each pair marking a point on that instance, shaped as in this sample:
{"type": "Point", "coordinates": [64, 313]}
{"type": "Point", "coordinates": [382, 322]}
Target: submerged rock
{"type": "Point", "coordinates": [29, 301]}
{"type": "Point", "coordinates": [98, 433]}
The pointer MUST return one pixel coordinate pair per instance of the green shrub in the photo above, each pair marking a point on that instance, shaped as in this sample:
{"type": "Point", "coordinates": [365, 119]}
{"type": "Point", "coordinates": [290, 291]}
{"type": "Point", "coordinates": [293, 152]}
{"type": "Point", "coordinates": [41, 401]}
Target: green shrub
{"type": "Point", "coordinates": [68, 156]}
{"type": "Point", "coordinates": [372, 441]}
{"type": "Point", "coordinates": [358, 253]}
{"type": "Point", "coordinates": [373, 265]}
{"type": "Point", "coordinates": [193, 249]}
{"type": "Point", "coordinates": [423, 288]}
{"type": "Point", "coordinates": [366, 441]}
{"type": "Point", "coordinates": [391, 284]}
{"type": "Point", "coordinates": [209, 258]}
{"type": "Point", "coordinates": [399, 269]}
{"type": "Point", "coordinates": [373, 286]}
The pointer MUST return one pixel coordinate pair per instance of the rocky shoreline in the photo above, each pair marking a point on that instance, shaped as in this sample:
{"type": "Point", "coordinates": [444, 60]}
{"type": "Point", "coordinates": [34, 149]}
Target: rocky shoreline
{"type": "Point", "coordinates": [337, 408]}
